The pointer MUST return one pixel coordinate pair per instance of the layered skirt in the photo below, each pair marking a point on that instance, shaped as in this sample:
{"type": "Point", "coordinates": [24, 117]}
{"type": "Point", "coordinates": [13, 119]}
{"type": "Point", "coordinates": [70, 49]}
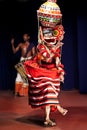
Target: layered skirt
{"type": "Point", "coordinates": [44, 83]}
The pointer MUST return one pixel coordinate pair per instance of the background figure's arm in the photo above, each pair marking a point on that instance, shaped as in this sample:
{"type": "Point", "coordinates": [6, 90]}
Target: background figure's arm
{"type": "Point", "coordinates": [29, 54]}
{"type": "Point", "coordinates": [15, 49]}
{"type": "Point", "coordinates": [33, 51]}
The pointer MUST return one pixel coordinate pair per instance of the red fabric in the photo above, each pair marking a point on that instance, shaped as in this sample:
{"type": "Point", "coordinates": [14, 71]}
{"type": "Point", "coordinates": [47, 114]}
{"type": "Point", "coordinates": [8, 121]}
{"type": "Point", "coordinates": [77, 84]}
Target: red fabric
{"type": "Point", "coordinates": [53, 108]}
{"type": "Point", "coordinates": [34, 70]}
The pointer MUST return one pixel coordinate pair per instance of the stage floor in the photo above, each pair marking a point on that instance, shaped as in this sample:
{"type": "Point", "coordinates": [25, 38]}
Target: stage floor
{"type": "Point", "coordinates": [16, 114]}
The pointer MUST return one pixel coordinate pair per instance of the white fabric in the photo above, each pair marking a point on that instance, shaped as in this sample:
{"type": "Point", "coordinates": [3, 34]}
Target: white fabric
{"type": "Point", "coordinates": [18, 77]}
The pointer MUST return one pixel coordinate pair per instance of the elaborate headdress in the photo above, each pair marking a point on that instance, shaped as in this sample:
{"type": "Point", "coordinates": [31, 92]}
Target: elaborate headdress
{"type": "Point", "coordinates": [49, 14]}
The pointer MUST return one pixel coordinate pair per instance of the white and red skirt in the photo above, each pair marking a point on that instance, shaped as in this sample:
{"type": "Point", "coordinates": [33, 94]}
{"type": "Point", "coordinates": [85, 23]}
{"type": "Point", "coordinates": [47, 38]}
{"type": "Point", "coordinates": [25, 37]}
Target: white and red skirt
{"type": "Point", "coordinates": [44, 83]}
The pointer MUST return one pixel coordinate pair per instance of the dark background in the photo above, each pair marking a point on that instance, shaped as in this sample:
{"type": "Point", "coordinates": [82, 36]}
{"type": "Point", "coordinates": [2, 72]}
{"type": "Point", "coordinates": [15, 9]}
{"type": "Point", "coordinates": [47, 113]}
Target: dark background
{"type": "Point", "coordinates": [20, 16]}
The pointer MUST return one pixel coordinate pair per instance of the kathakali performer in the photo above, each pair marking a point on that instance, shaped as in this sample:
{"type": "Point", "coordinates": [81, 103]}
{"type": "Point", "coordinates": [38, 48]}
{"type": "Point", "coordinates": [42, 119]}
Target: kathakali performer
{"type": "Point", "coordinates": [45, 71]}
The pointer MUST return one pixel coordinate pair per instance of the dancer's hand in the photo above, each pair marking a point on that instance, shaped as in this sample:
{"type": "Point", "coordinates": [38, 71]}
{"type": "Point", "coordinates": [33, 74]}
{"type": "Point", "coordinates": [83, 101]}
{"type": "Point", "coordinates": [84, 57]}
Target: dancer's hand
{"type": "Point", "coordinates": [62, 78]}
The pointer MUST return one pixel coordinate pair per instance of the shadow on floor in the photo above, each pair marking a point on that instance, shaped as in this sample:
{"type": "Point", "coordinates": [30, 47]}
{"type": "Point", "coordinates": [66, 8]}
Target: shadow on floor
{"type": "Point", "coordinates": [75, 114]}
{"type": "Point", "coordinates": [35, 120]}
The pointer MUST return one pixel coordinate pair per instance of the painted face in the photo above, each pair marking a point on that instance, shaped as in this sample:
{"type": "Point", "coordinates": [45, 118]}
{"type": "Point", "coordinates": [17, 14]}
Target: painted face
{"type": "Point", "coordinates": [48, 36]}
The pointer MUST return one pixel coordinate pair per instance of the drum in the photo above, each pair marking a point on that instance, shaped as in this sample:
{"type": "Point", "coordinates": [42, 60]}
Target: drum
{"type": "Point", "coordinates": [21, 70]}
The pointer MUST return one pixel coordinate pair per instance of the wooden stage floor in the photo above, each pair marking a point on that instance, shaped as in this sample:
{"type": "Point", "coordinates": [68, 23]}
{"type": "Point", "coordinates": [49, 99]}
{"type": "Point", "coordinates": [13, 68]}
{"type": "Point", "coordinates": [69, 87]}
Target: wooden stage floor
{"type": "Point", "coordinates": [16, 114]}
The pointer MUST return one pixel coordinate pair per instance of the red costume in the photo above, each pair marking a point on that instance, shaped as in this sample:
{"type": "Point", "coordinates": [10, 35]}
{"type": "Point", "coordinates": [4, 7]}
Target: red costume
{"type": "Point", "coordinates": [45, 71]}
